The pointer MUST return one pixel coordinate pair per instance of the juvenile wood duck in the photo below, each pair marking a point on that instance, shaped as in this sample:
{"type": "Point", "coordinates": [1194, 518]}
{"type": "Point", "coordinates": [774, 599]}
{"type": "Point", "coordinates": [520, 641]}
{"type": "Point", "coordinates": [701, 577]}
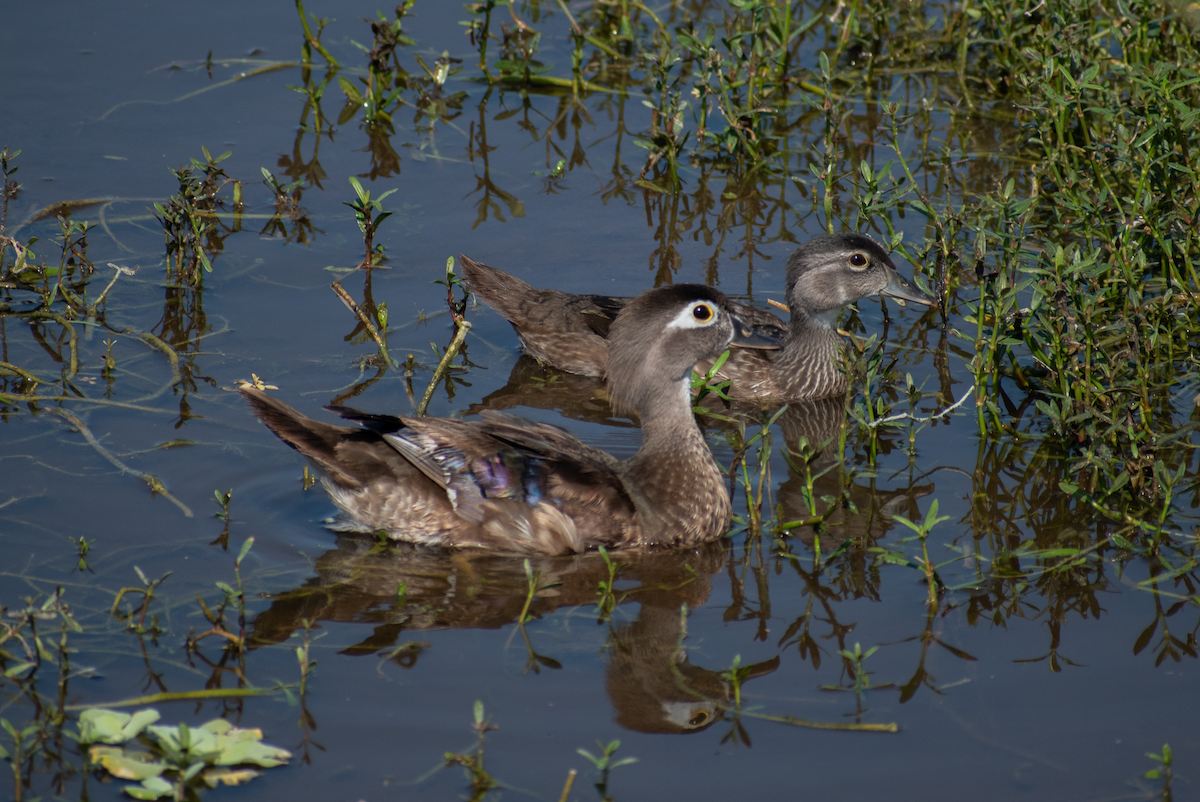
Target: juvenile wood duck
{"type": "Point", "coordinates": [508, 484]}
{"type": "Point", "coordinates": [571, 332]}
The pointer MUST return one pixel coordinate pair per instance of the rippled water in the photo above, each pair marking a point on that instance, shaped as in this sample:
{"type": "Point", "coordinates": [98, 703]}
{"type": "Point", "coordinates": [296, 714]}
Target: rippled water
{"type": "Point", "coordinates": [1051, 686]}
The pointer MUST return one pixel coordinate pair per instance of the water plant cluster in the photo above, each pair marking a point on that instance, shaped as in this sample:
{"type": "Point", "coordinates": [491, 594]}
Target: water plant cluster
{"type": "Point", "coordinates": [1036, 163]}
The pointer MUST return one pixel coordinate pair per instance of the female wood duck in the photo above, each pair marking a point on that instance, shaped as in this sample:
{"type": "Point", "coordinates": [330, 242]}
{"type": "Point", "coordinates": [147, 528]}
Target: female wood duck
{"type": "Point", "coordinates": [571, 332]}
{"type": "Point", "coordinates": [508, 484]}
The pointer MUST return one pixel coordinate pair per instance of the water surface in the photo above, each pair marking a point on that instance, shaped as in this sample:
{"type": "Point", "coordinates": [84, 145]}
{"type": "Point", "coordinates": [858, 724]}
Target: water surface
{"type": "Point", "coordinates": [1046, 686]}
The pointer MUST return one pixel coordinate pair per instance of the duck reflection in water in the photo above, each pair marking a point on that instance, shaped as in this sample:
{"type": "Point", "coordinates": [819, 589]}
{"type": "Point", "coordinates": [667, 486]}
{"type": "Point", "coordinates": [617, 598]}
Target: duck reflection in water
{"type": "Point", "coordinates": [651, 682]}
{"type": "Point", "coordinates": [863, 513]}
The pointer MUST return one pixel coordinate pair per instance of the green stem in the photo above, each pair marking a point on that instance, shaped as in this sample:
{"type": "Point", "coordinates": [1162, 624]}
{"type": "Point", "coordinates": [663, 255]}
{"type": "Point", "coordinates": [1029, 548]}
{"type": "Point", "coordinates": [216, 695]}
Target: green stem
{"type": "Point", "coordinates": [459, 336]}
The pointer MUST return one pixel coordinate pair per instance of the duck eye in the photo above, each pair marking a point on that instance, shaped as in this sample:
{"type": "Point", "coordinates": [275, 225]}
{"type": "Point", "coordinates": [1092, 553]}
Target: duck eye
{"type": "Point", "coordinates": [698, 719]}
{"type": "Point", "coordinates": [702, 313]}
{"type": "Point", "coordinates": [858, 260]}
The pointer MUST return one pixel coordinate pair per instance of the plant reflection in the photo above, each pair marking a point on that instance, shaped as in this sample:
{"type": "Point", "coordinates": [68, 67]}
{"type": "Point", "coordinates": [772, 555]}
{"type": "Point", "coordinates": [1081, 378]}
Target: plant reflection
{"type": "Point", "coordinates": [478, 148]}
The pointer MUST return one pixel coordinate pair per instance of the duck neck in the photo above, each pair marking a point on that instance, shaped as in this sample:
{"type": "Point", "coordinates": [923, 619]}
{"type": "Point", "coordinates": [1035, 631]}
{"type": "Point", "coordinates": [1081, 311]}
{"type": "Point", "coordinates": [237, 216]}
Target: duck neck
{"type": "Point", "coordinates": [810, 355]}
{"type": "Point", "coordinates": [677, 487]}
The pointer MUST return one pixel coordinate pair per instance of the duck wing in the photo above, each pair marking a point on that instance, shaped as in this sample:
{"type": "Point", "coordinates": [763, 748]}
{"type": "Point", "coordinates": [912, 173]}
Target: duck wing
{"type": "Point", "coordinates": [515, 478]}
{"type": "Point", "coordinates": [761, 321]}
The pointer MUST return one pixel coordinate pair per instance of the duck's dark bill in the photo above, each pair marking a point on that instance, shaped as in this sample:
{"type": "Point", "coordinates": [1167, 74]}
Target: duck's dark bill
{"type": "Point", "coordinates": [902, 288]}
{"type": "Point", "coordinates": [746, 337]}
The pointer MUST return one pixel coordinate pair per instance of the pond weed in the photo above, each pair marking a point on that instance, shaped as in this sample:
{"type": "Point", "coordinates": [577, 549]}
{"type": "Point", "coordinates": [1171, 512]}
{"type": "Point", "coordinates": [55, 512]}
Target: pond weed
{"type": "Point", "coordinates": [234, 634]}
{"type": "Point", "coordinates": [1165, 759]}
{"type": "Point", "coordinates": [149, 586]}
{"type": "Point", "coordinates": [605, 764]}
{"type": "Point", "coordinates": [482, 783]}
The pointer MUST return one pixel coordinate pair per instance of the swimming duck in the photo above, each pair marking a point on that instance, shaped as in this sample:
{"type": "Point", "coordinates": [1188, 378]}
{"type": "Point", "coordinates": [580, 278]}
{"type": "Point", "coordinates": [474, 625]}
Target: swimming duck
{"type": "Point", "coordinates": [508, 484]}
{"type": "Point", "coordinates": [571, 332]}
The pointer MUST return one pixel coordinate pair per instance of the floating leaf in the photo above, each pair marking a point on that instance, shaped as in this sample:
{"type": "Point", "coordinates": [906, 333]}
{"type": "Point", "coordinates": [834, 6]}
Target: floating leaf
{"type": "Point", "coordinates": [127, 765]}
{"type": "Point", "coordinates": [112, 726]}
{"type": "Point", "coordinates": [201, 743]}
{"type": "Point", "coordinates": [219, 726]}
{"type": "Point", "coordinates": [245, 746]}
{"type": "Point", "coordinates": [152, 788]}
{"type": "Point", "coordinates": [226, 776]}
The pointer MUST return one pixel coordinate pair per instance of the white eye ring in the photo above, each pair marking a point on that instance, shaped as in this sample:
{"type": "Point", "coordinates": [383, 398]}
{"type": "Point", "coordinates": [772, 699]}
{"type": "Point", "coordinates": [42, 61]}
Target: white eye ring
{"type": "Point", "coordinates": [696, 315]}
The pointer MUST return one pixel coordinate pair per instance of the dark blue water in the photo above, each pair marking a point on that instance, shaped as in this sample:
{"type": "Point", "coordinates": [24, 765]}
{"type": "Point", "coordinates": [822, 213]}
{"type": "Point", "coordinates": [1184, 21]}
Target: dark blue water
{"type": "Point", "coordinates": [1039, 688]}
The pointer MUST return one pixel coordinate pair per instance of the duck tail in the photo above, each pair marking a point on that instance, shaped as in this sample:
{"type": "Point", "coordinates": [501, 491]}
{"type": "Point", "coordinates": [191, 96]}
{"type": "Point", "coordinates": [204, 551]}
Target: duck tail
{"type": "Point", "coordinates": [499, 290]}
{"type": "Point", "coordinates": [317, 441]}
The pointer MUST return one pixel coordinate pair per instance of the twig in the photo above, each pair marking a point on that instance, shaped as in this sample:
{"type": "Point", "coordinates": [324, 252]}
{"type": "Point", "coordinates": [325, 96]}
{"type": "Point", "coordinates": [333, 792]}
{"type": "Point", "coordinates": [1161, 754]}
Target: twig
{"type": "Point", "coordinates": [313, 41]}
{"type": "Point", "coordinates": [282, 65]}
{"type": "Point", "coordinates": [14, 398]}
{"type": "Point", "coordinates": [567, 786]}
{"type": "Point", "coordinates": [513, 13]}
{"type": "Point", "coordinates": [159, 345]}
{"type": "Point", "coordinates": [156, 486]}
{"type": "Point", "coordinates": [73, 363]}
{"type": "Point", "coordinates": [366, 321]}
{"type": "Point", "coordinates": [179, 696]}
{"type": "Point", "coordinates": [653, 16]}
{"type": "Point", "coordinates": [116, 276]}
{"type": "Point", "coordinates": [909, 415]}
{"type": "Point", "coordinates": [460, 335]}
{"type": "Point", "coordinates": [574, 25]}
{"type": "Point", "coordinates": [24, 374]}
{"type": "Point", "coordinates": [824, 725]}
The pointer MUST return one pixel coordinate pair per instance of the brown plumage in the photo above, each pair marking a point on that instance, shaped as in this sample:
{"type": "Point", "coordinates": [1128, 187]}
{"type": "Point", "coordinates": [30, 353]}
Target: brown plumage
{"type": "Point", "coordinates": [505, 483]}
{"type": "Point", "coordinates": [571, 332]}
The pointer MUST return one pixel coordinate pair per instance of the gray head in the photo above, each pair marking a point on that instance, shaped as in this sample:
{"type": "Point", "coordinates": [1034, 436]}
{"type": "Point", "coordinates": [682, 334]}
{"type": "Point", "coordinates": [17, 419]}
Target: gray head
{"type": "Point", "coordinates": [661, 334]}
{"type": "Point", "coordinates": [828, 272]}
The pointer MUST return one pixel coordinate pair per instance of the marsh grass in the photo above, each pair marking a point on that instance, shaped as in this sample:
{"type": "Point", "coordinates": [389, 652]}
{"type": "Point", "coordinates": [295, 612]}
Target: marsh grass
{"type": "Point", "coordinates": [1048, 152]}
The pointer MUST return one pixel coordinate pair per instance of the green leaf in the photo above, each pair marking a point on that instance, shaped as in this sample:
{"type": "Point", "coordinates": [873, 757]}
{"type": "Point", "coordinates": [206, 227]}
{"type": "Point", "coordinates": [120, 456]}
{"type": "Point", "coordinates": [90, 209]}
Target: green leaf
{"type": "Point", "coordinates": [245, 550]}
{"type": "Point", "coordinates": [18, 669]}
{"type": "Point", "coordinates": [245, 746]}
{"type": "Point", "coordinates": [218, 726]}
{"type": "Point", "coordinates": [151, 788]}
{"type": "Point", "coordinates": [352, 93]}
{"type": "Point", "coordinates": [1122, 542]}
{"type": "Point", "coordinates": [127, 765]}
{"type": "Point", "coordinates": [227, 776]}
{"type": "Point", "coordinates": [104, 726]}
{"type": "Point", "coordinates": [140, 720]}
{"type": "Point", "coordinates": [198, 740]}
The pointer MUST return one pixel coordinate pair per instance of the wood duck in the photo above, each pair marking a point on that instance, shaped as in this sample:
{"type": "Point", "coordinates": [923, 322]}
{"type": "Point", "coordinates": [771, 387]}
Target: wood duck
{"type": "Point", "coordinates": [571, 332]}
{"type": "Point", "coordinates": [505, 483]}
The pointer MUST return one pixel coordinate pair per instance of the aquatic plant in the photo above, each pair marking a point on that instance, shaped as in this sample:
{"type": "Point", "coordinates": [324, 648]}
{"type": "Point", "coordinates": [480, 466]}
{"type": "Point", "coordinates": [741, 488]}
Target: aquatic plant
{"type": "Point", "coordinates": [173, 761]}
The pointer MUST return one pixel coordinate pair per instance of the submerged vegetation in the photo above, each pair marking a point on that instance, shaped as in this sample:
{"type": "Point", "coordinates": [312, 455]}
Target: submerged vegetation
{"type": "Point", "coordinates": [1037, 164]}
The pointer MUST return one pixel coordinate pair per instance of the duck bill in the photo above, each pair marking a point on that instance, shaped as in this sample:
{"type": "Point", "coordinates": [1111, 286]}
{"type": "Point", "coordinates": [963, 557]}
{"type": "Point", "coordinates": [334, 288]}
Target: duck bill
{"type": "Point", "coordinates": [900, 287]}
{"type": "Point", "coordinates": [744, 336]}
